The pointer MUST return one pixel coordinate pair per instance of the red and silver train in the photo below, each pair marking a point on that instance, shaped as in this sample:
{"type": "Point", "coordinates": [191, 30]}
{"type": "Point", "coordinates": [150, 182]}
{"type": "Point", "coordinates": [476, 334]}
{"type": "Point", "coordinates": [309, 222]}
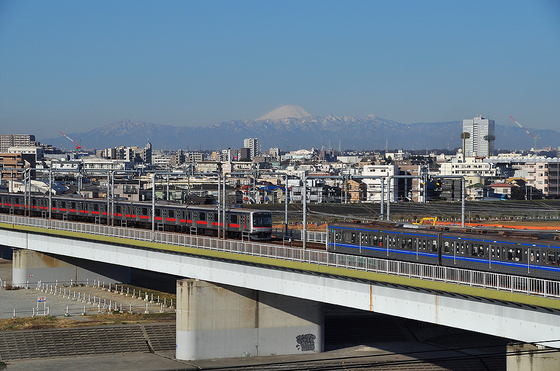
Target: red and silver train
{"type": "Point", "coordinates": [256, 224]}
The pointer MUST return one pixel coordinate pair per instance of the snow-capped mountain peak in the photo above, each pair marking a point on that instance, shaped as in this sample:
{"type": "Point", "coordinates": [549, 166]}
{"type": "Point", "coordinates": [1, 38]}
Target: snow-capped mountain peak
{"type": "Point", "coordinates": [287, 111]}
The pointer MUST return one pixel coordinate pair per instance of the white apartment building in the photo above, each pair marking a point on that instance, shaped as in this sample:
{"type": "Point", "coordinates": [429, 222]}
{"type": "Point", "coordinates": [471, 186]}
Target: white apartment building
{"type": "Point", "coordinates": [253, 145]}
{"type": "Point", "coordinates": [300, 154]}
{"type": "Point", "coordinates": [544, 174]}
{"type": "Point", "coordinates": [481, 136]}
{"type": "Point", "coordinates": [473, 166]}
{"type": "Point", "coordinates": [98, 165]}
{"type": "Point", "coordinates": [374, 185]}
{"type": "Point", "coordinates": [37, 151]}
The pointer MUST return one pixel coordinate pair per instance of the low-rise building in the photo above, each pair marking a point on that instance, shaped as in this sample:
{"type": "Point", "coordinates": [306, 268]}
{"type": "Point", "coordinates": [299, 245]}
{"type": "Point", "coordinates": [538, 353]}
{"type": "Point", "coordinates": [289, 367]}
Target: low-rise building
{"type": "Point", "coordinates": [379, 185]}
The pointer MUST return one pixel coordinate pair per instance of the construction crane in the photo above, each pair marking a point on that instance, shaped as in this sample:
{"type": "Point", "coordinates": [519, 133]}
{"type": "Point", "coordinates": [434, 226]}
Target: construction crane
{"type": "Point", "coordinates": [535, 138]}
{"type": "Point", "coordinates": [73, 141]}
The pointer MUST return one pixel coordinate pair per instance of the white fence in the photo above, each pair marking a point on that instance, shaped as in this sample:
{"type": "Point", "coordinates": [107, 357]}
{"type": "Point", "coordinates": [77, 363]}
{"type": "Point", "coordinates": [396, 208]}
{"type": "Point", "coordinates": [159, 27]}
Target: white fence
{"type": "Point", "coordinates": [488, 280]}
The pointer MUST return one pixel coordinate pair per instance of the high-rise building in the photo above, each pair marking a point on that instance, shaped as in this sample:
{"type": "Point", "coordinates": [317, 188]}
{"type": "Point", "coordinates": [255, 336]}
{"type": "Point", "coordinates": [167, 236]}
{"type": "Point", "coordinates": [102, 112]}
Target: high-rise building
{"type": "Point", "coordinates": [16, 140]}
{"type": "Point", "coordinates": [480, 138]}
{"type": "Point", "coordinates": [253, 145]}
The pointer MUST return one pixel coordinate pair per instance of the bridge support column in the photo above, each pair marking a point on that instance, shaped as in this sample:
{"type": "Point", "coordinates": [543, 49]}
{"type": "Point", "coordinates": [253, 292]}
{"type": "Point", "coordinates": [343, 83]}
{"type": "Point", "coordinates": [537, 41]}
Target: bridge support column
{"type": "Point", "coordinates": [529, 357]}
{"type": "Point", "coordinates": [220, 321]}
{"type": "Point", "coordinates": [31, 267]}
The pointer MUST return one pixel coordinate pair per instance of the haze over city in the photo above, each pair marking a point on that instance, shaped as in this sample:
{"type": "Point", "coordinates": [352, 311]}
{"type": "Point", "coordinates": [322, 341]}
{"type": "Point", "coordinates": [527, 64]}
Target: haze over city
{"type": "Point", "coordinates": [75, 65]}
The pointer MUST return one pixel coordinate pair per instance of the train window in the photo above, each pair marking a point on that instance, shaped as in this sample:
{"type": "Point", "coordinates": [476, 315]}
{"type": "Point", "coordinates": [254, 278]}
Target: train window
{"type": "Point", "coordinates": [434, 246]}
{"type": "Point", "coordinates": [446, 247]}
{"type": "Point", "coordinates": [189, 215]}
{"type": "Point", "coordinates": [551, 258]}
{"type": "Point", "coordinates": [170, 213]}
{"type": "Point", "coordinates": [423, 245]}
{"type": "Point", "coordinates": [510, 255]}
{"type": "Point", "coordinates": [233, 219]}
{"type": "Point", "coordinates": [62, 205]}
{"type": "Point", "coordinates": [262, 220]}
{"type": "Point", "coordinates": [119, 209]}
{"type": "Point", "coordinates": [95, 207]}
{"type": "Point", "coordinates": [73, 205]}
{"type": "Point", "coordinates": [409, 243]}
{"type": "Point", "coordinates": [337, 235]}
{"type": "Point", "coordinates": [364, 239]}
{"type": "Point", "coordinates": [158, 212]}
{"type": "Point", "coordinates": [144, 211]}
{"type": "Point", "coordinates": [538, 257]}
{"type": "Point", "coordinates": [403, 243]}
{"type": "Point", "coordinates": [375, 240]}
{"type": "Point", "coordinates": [353, 238]}
{"type": "Point", "coordinates": [474, 251]}
{"type": "Point", "coordinates": [201, 216]}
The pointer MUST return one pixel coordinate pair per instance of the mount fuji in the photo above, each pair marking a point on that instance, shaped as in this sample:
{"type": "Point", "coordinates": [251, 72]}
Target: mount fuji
{"type": "Point", "coordinates": [291, 127]}
{"type": "Point", "coordinates": [285, 112]}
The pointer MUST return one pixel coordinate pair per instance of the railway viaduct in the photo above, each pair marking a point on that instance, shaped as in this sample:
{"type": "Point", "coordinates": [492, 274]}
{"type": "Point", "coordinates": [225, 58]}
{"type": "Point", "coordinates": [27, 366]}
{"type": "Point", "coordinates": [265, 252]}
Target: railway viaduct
{"type": "Point", "coordinates": [240, 298]}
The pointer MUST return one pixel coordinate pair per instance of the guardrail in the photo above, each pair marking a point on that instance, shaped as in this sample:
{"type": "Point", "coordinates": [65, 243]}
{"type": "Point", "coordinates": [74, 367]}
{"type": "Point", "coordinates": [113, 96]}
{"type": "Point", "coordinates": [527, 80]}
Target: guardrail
{"type": "Point", "coordinates": [487, 280]}
{"type": "Point", "coordinates": [295, 234]}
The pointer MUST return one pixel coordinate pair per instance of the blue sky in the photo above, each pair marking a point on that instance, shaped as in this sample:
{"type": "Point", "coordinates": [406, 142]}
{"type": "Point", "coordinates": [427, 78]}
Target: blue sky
{"type": "Point", "coordinates": [77, 65]}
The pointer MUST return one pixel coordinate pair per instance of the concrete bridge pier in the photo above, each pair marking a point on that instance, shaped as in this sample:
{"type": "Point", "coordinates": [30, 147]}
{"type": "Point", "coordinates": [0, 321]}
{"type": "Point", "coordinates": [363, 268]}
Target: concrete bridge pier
{"type": "Point", "coordinates": [30, 267]}
{"type": "Point", "coordinates": [529, 357]}
{"type": "Point", "coordinates": [221, 321]}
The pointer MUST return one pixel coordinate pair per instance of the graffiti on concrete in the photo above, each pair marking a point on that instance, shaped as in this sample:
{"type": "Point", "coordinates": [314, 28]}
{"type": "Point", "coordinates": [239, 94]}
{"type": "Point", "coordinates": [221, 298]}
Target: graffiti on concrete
{"type": "Point", "coordinates": [305, 342]}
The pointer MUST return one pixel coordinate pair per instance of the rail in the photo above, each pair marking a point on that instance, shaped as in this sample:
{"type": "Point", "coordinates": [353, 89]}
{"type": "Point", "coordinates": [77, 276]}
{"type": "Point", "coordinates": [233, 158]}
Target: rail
{"type": "Point", "coordinates": [487, 280]}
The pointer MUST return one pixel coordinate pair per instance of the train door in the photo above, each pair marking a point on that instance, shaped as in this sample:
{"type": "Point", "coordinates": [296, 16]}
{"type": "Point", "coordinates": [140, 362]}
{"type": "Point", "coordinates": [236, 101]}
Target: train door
{"type": "Point", "coordinates": [534, 259]}
{"type": "Point", "coordinates": [386, 240]}
{"type": "Point", "coordinates": [439, 247]}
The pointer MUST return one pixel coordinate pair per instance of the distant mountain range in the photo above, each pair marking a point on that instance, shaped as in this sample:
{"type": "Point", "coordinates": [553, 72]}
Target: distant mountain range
{"type": "Point", "coordinates": [303, 131]}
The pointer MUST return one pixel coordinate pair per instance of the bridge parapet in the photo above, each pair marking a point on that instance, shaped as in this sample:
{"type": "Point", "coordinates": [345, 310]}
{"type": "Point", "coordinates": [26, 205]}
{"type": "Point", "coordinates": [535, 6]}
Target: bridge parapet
{"type": "Point", "coordinates": [417, 274]}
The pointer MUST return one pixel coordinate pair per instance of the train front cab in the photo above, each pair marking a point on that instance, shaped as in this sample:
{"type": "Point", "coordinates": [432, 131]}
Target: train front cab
{"type": "Point", "coordinates": [260, 225]}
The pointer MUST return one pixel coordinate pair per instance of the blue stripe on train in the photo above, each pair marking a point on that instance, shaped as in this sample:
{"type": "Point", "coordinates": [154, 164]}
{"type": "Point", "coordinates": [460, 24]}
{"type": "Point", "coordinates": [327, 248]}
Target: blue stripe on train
{"type": "Point", "coordinates": [449, 257]}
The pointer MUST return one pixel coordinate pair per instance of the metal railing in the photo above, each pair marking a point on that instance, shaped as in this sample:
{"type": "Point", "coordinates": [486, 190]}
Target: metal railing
{"type": "Point", "coordinates": [472, 278]}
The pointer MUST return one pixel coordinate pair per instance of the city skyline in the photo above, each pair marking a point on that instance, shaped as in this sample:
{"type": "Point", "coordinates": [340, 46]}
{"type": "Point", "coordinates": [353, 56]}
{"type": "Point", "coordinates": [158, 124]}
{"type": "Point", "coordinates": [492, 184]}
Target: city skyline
{"type": "Point", "coordinates": [74, 66]}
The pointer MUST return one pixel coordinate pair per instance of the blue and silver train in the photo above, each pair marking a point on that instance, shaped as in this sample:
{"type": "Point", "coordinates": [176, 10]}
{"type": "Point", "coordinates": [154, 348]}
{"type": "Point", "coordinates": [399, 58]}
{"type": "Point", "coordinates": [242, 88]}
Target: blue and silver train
{"type": "Point", "coordinates": [525, 253]}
